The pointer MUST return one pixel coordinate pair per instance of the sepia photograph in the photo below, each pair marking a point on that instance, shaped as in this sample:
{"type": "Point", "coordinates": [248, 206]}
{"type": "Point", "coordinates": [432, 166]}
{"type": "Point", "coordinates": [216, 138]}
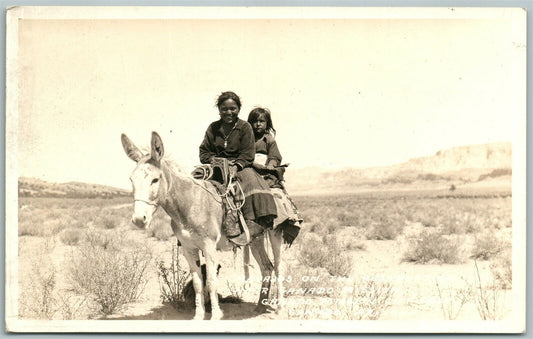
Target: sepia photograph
{"type": "Point", "coordinates": [265, 169]}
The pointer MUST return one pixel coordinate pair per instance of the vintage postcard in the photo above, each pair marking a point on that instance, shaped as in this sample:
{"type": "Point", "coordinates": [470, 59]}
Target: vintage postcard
{"type": "Point", "coordinates": [373, 159]}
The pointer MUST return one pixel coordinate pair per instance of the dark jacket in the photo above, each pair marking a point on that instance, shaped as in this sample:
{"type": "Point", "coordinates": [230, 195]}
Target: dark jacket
{"type": "Point", "coordinates": [239, 144]}
{"type": "Point", "coordinates": [267, 145]}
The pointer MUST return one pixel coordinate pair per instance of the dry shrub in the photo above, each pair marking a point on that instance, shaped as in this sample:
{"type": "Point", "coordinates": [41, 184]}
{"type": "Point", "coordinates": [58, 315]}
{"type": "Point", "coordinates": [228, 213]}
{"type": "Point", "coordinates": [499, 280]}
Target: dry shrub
{"type": "Point", "coordinates": [30, 222]}
{"type": "Point", "coordinates": [323, 227]}
{"type": "Point", "coordinates": [433, 247]}
{"type": "Point", "coordinates": [486, 246]}
{"type": "Point", "coordinates": [109, 273]}
{"type": "Point", "coordinates": [71, 236]}
{"type": "Point", "coordinates": [311, 251]}
{"type": "Point", "coordinates": [40, 296]}
{"type": "Point", "coordinates": [385, 230]}
{"type": "Point", "coordinates": [466, 215]}
{"type": "Point", "coordinates": [53, 214]}
{"type": "Point", "coordinates": [387, 225]}
{"type": "Point", "coordinates": [98, 239]}
{"type": "Point", "coordinates": [27, 228]}
{"type": "Point", "coordinates": [37, 225]}
{"type": "Point", "coordinates": [501, 268]}
{"type": "Point", "coordinates": [70, 305]}
{"type": "Point", "coordinates": [305, 281]}
{"type": "Point", "coordinates": [237, 289]}
{"type": "Point", "coordinates": [366, 300]}
{"type": "Point", "coordinates": [327, 253]}
{"type": "Point", "coordinates": [452, 300]}
{"type": "Point", "coordinates": [351, 239]}
{"type": "Point", "coordinates": [489, 298]}
{"type": "Point", "coordinates": [108, 221]}
{"type": "Point", "coordinates": [37, 291]}
{"type": "Point", "coordinates": [172, 281]}
{"type": "Point", "coordinates": [53, 227]}
{"type": "Point", "coordinates": [339, 261]}
{"type": "Point", "coordinates": [78, 223]}
{"type": "Point", "coordinates": [88, 214]}
{"type": "Point", "coordinates": [459, 222]}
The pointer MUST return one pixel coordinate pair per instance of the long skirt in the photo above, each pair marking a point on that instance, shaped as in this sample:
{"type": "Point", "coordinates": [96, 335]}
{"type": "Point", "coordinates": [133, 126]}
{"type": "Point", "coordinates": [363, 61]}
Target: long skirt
{"type": "Point", "coordinates": [258, 200]}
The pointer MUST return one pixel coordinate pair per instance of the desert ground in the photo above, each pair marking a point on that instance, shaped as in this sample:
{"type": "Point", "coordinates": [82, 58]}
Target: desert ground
{"type": "Point", "coordinates": [388, 254]}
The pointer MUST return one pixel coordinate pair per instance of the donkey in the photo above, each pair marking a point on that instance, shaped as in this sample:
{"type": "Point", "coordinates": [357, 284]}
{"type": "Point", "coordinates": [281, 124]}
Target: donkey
{"type": "Point", "coordinates": [196, 212]}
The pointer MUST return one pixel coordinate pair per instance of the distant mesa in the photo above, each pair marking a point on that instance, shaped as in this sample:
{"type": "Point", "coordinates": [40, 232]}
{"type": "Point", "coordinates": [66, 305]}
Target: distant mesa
{"type": "Point", "coordinates": [32, 187]}
{"type": "Point", "coordinates": [457, 166]}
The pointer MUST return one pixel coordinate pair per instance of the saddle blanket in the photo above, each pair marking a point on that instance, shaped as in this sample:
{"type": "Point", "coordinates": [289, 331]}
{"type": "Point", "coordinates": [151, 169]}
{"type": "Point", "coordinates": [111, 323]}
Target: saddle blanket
{"type": "Point", "coordinates": [283, 207]}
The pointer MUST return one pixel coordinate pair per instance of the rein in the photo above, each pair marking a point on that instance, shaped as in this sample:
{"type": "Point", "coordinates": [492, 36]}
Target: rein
{"type": "Point", "coordinates": [226, 195]}
{"type": "Point", "coordinates": [208, 191]}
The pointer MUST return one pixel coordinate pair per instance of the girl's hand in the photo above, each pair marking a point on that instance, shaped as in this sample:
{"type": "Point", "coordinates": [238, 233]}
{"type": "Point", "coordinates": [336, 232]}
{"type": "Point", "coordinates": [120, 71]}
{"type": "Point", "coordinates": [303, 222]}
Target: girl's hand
{"type": "Point", "coordinates": [271, 165]}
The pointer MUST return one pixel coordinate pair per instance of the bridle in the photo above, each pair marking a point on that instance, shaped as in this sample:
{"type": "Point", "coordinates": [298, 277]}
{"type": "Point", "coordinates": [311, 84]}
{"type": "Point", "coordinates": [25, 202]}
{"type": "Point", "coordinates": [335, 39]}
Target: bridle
{"type": "Point", "coordinates": [147, 202]}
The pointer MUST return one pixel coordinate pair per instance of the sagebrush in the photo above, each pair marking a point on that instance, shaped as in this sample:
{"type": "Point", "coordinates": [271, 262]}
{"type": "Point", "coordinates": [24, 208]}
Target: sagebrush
{"type": "Point", "coordinates": [328, 253]}
{"type": "Point", "coordinates": [110, 273]}
{"type": "Point", "coordinates": [430, 246]}
{"type": "Point", "coordinates": [172, 280]}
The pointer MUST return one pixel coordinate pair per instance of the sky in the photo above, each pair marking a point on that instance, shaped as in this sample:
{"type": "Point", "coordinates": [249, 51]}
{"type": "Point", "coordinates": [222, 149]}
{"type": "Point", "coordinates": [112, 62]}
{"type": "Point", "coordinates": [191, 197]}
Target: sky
{"type": "Point", "coordinates": [342, 92]}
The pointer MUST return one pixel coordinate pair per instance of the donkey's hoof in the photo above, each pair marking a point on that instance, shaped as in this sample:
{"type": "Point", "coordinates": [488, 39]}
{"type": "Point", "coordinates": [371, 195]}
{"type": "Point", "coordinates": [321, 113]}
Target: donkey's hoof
{"type": "Point", "coordinates": [198, 317]}
{"type": "Point", "coordinates": [217, 314]}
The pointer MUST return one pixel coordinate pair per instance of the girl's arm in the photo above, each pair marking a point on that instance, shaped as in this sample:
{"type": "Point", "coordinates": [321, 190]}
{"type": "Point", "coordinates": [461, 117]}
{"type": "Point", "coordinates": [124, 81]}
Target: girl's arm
{"type": "Point", "coordinates": [274, 156]}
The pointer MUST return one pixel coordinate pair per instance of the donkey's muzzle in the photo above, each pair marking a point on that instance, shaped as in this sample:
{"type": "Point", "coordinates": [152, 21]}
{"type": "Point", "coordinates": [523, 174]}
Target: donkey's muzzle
{"type": "Point", "coordinates": [139, 221]}
{"type": "Point", "coordinates": [142, 213]}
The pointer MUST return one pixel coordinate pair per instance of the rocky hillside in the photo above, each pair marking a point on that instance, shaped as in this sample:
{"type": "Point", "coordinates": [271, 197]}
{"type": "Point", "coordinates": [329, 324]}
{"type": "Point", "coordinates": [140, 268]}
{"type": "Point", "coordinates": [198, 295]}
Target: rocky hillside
{"type": "Point", "coordinates": [486, 156]}
{"type": "Point", "coordinates": [465, 164]}
{"type": "Point", "coordinates": [31, 187]}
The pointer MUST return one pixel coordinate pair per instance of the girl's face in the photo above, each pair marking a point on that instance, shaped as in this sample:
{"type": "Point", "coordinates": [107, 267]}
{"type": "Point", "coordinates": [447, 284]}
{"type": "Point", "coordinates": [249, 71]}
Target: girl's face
{"type": "Point", "coordinates": [260, 124]}
{"type": "Point", "coordinates": [228, 111]}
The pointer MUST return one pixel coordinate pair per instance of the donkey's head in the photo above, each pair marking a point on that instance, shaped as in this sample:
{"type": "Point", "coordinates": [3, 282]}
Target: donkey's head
{"type": "Point", "coordinates": [146, 179]}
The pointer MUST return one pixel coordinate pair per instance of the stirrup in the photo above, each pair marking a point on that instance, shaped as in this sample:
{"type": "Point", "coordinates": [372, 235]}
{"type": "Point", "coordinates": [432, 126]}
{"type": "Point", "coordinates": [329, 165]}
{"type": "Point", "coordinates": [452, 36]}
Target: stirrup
{"type": "Point", "coordinates": [239, 240]}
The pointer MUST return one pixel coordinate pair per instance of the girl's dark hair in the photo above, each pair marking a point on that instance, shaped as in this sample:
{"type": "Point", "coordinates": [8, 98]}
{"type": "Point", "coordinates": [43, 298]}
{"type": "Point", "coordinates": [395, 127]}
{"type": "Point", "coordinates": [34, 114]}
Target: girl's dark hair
{"type": "Point", "coordinates": [254, 115]}
{"type": "Point", "coordinates": [228, 95]}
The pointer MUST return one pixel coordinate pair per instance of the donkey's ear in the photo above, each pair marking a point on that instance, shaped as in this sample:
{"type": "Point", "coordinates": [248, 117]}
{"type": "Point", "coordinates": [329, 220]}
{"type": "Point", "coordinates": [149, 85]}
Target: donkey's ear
{"type": "Point", "coordinates": [157, 147]}
{"type": "Point", "coordinates": [131, 150]}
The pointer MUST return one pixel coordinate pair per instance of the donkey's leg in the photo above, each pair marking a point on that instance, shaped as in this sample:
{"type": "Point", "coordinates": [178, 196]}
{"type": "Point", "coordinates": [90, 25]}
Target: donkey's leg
{"type": "Point", "coordinates": [261, 256]}
{"type": "Point", "coordinates": [193, 258]}
{"type": "Point", "coordinates": [276, 241]}
{"type": "Point", "coordinates": [210, 254]}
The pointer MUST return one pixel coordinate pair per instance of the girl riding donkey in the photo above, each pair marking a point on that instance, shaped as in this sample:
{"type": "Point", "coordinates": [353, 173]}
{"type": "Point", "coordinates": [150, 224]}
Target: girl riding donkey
{"type": "Point", "coordinates": [268, 163]}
